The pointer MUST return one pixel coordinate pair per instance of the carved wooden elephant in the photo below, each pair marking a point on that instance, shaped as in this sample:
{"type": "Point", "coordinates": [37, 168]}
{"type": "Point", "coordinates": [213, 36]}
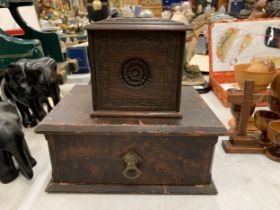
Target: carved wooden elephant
{"type": "Point", "coordinates": [29, 83]}
{"type": "Point", "coordinates": [12, 143]}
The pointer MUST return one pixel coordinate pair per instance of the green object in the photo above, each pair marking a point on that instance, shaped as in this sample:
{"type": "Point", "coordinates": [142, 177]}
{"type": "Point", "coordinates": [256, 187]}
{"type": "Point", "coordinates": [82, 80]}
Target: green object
{"type": "Point", "coordinates": [4, 3]}
{"type": "Point", "coordinates": [50, 41]}
{"type": "Point", "coordinates": [13, 49]}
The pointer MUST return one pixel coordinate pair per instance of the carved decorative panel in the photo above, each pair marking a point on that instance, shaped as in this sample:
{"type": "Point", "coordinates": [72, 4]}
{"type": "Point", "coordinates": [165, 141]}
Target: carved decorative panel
{"type": "Point", "coordinates": [136, 65]}
{"type": "Point", "coordinates": [141, 78]}
{"type": "Point", "coordinates": [135, 73]}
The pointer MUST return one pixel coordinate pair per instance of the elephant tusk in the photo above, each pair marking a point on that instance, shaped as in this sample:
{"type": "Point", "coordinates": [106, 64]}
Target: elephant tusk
{"type": "Point", "coordinates": [50, 100]}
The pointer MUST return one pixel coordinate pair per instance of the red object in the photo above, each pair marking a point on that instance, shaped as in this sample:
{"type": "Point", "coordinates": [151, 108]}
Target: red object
{"type": "Point", "coordinates": [15, 32]}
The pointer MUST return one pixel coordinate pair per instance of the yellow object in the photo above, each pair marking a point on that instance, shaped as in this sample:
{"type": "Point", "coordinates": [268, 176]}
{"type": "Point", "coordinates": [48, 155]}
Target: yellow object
{"type": "Point", "coordinates": [275, 59]}
{"type": "Point", "coordinates": [262, 72]}
{"type": "Point", "coordinates": [261, 66]}
{"type": "Point", "coordinates": [96, 5]}
{"type": "Point", "coordinates": [245, 43]}
{"type": "Point", "coordinates": [225, 43]}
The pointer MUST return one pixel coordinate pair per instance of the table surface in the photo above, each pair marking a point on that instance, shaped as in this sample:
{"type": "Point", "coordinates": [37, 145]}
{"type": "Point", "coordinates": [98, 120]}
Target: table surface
{"type": "Point", "coordinates": [243, 182]}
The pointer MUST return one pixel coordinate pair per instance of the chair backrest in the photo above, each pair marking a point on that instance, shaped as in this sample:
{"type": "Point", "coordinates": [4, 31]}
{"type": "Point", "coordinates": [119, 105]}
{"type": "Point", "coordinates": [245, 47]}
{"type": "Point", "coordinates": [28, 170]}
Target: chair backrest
{"type": "Point", "coordinates": [50, 41]}
{"type": "Point", "coordinates": [4, 3]}
{"type": "Point", "coordinates": [13, 49]}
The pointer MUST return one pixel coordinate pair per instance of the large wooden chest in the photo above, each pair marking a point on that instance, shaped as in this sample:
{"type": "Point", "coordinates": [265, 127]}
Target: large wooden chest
{"type": "Point", "coordinates": [130, 155]}
{"type": "Point", "coordinates": [136, 66]}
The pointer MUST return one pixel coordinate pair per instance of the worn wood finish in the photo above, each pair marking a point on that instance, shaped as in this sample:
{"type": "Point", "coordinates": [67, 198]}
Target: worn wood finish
{"type": "Point", "coordinates": [273, 153]}
{"type": "Point", "coordinates": [197, 120]}
{"type": "Point", "coordinates": [240, 141]}
{"type": "Point", "coordinates": [273, 133]}
{"type": "Point", "coordinates": [246, 145]}
{"type": "Point", "coordinates": [166, 159]}
{"type": "Point", "coordinates": [239, 97]}
{"type": "Point", "coordinates": [246, 106]}
{"type": "Point", "coordinates": [176, 154]}
{"type": "Point", "coordinates": [136, 114]}
{"type": "Point", "coordinates": [137, 66]}
{"type": "Point", "coordinates": [209, 189]}
{"type": "Point", "coordinates": [142, 24]}
{"type": "Point", "coordinates": [274, 98]}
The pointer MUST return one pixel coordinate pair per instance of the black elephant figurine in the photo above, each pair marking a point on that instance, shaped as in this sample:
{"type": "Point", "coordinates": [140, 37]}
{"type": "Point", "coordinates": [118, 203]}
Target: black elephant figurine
{"type": "Point", "coordinates": [12, 143]}
{"type": "Point", "coordinates": [29, 83]}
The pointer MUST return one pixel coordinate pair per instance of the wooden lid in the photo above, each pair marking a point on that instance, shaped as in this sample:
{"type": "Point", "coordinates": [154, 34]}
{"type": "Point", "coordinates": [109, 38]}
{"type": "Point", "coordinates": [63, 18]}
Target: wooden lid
{"type": "Point", "coordinates": [150, 24]}
{"type": "Point", "coordinates": [71, 116]}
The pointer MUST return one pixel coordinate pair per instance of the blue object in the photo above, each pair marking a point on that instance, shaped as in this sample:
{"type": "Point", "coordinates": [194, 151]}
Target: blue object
{"type": "Point", "coordinates": [167, 3]}
{"type": "Point", "coordinates": [137, 11]}
{"type": "Point", "coordinates": [79, 53]}
{"type": "Point", "coordinates": [235, 6]}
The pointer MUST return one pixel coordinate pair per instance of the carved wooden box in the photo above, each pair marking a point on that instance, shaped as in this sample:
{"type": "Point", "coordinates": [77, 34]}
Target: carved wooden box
{"type": "Point", "coordinates": [131, 155]}
{"type": "Point", "coordinates": [136, 66]}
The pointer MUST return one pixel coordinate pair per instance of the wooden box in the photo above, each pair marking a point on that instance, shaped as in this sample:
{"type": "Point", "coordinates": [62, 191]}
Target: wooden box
{"type": "Point", "coordinates": [222, 76]}
{"type": "Point", "coordinates": [131, 155]}
{"type": "Point", "coordinates": [136, 66]}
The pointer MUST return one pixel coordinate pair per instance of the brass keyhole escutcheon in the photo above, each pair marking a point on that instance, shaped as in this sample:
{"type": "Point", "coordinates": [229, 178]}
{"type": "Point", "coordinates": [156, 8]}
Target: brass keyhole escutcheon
{"type": "Point", "coordinates": [131, 159]}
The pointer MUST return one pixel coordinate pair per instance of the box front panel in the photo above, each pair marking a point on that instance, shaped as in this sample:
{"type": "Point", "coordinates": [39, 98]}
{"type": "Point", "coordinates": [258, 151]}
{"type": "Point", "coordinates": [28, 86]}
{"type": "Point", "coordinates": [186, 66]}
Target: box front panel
{"type": "Point", "coordinates": [136, 70]}
{"type": "Point", "coordinates": [135, 160]}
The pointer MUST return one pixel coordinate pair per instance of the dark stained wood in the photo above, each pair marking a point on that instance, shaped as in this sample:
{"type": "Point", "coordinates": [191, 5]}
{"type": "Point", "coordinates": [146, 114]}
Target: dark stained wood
{"type": "Point", "coordinates": [166, 159]}
{"type": "Point", "coordinates": [246, 106]}
{"type": "Point", "coordinates": [249, 146]}
{"type": "Point", "coordinates": [150, 24]}
{"type": "Point", "coordinates": [240, 141]}
{"type": "Point", "coordinates": [273, 153]}
{"type": "Point", "coordinates": [197, 119]}
{"type": "Point", "coordinates": [87, 153]}
{"type": "Point", "coordinates": [132, 189]}
{"type": "Point", "coordinates": [136, 114]}
{"type": "Point", "coordinates": [239, 97]}
{"type": "Point", "coordinates": [274, 104]}
{"type": "Point", "coordinates": [274, 98]}
{"type": "Point", "coordinates": [136, 66]}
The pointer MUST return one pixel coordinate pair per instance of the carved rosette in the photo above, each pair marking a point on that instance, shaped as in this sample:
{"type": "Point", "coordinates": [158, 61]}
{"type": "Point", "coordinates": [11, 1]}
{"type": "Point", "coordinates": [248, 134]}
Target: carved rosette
{"type": "Point", "coordinates": [165, 43]}
{"type": "Point", "coordinates": [135, 73]}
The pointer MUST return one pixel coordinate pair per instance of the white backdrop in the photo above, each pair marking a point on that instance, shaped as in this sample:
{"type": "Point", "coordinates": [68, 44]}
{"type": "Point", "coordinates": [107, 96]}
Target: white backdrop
{"type": "Point", "coordinates": [256, 48]}
{"type": "Point", "coordinates": [28, 13]}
